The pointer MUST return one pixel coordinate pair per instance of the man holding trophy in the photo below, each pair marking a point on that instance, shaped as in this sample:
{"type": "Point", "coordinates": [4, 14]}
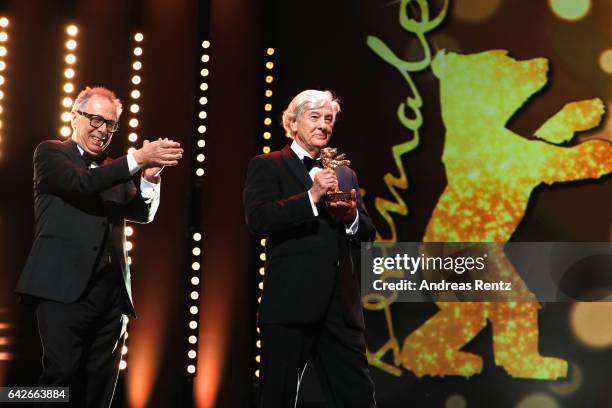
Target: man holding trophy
{"type": "Point", "coordinates": [306, 201]}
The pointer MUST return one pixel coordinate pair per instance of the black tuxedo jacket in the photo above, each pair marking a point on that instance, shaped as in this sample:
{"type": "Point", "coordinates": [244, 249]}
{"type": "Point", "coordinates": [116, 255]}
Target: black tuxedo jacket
{"type": "Point", "coordinates": [74, 208]}
{"type": "Point", "coordinates": [306, 255]}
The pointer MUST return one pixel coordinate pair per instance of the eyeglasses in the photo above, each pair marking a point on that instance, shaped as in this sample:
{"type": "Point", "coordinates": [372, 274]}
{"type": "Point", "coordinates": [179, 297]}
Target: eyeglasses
{"type": "Point", "coordinates": [96, 121]}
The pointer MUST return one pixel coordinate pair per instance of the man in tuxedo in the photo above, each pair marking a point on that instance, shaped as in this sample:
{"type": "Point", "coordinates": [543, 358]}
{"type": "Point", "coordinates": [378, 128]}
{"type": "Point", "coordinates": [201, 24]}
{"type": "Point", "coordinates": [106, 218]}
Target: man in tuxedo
{"type": "Point", "coordinates": [77, 275]}
{"type": "Point", "coordinates": [311, 304]}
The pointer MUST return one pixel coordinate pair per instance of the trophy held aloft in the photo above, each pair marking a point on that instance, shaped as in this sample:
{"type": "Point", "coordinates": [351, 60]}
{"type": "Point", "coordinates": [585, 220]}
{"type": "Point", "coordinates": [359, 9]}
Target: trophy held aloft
{"type": "Point", "coordinates": [330, 159]}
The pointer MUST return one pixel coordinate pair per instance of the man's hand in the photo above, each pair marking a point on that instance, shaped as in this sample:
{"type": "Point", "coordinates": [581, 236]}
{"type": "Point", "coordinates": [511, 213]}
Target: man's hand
{"type": "Point", "coordinates": [151, 174]}
{"type": "Point", "coordinates": [324, 181]}
{"type": "Point", "coordinates": [343, 210]}
{"type": "Point", "coordinates": [162, 152]}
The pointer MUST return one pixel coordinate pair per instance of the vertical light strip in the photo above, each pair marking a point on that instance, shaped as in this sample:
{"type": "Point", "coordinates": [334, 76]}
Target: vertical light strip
{"type": "Point", "coordinates": [135, 94]}
{"type": "Point", "coordinates": [133, 123]}
{"type": "Point", "coordinates": [269, 78]}
{"type": "Point", "coordinates": [4, 22]}
{"type": "Point", "coordinates": [194, 303]}
{"type": "Point", "coordinates": [5, 332]}
{"type": "Point", "coordinates": [202, 115]}
{"type": "Point", "coordinates": [69, 75]}
{"type": "Point", "coordinates": [266, 136]}
{"type": "Point", "coordinates": [193, 315]}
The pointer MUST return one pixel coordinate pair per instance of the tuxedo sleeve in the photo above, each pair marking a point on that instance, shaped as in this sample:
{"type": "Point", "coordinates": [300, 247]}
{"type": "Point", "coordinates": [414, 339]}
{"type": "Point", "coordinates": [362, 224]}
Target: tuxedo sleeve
{"type": "Point", "coordinates": [142, 207]}
{"type": "Point", "coordinates": [56, 173]}
{"type": "Point", "coordinates": [266, 210]}
{"type": "Point", "coordinates": [366, 231]}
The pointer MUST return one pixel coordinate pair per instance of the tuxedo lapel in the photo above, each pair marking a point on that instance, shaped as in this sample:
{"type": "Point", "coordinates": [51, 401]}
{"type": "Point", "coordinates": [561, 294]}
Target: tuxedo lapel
{"type": "Point", "coordinates": [296, 166]}
{"type": "Point", "coordinates": [116, 193]}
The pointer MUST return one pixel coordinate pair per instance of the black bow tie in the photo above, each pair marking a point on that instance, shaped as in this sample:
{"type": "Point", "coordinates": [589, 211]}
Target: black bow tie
{"type": "Point", "coordinates": [90, 158]}
{"type": "Point", "coordinates": [310, 163]}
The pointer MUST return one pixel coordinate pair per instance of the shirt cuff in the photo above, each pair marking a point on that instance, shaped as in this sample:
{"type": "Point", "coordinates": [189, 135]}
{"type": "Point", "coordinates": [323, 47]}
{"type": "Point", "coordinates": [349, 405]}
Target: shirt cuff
{"type": "Point", "coordinates": [314, 206]}
{"type": "Point", "coordinates": [352, 229]}
{"type": "Point", "coordinates": [132, 164]}
{"type": "Point", "coordinates": [148, 190]}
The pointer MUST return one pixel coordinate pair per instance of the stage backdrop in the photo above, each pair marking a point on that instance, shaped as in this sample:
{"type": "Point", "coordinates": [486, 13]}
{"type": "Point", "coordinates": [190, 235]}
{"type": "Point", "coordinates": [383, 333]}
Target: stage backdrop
{"type": "Point", "coordinates": [469, 121]}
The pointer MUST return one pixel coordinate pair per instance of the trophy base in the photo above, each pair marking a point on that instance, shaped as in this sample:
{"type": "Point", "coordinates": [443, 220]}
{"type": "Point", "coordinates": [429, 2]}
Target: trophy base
{"type": "Point", "coordinates": [337, 196]}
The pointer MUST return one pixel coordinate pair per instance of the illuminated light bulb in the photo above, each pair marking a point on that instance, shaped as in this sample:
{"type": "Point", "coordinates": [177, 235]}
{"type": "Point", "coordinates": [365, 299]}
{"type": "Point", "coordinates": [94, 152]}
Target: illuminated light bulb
{"type": "Point", "coordinates": [65, 131]}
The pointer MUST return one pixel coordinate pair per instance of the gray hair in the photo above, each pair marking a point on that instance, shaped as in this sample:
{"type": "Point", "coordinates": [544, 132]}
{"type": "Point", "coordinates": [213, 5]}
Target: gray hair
{"type": "Point", "coordinates": [307, 100]}
{"type": "Point", "coordinates": [81, 100]}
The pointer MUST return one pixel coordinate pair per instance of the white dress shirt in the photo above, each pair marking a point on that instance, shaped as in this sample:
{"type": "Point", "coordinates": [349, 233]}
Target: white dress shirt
{"type": "Point", "coordinates": [301, 153]}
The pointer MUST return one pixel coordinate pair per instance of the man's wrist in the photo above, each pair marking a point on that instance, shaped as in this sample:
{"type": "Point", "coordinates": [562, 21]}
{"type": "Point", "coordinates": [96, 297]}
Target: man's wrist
{"type": "Point", "coordinates": [133, 165]}
{"type": "Point", "coordinates": [137, 154]}
{"type": "Point", "coordinates": [315, 197]}
{"type": "Point", "coordinates": [152, 179]}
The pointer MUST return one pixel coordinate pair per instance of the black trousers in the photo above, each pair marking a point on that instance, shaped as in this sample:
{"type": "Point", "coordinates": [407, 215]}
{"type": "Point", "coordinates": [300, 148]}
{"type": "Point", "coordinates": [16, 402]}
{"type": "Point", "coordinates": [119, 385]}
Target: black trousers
{"type": "Point", "coordinates": [336, 350]}
{"type": "Point", "coordinates": [82, 341]}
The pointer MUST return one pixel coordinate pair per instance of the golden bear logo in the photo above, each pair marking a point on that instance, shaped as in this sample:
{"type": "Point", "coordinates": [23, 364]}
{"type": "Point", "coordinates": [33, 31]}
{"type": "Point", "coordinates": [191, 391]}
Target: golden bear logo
{"type": "Point", "coordinates": [491, 173]}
